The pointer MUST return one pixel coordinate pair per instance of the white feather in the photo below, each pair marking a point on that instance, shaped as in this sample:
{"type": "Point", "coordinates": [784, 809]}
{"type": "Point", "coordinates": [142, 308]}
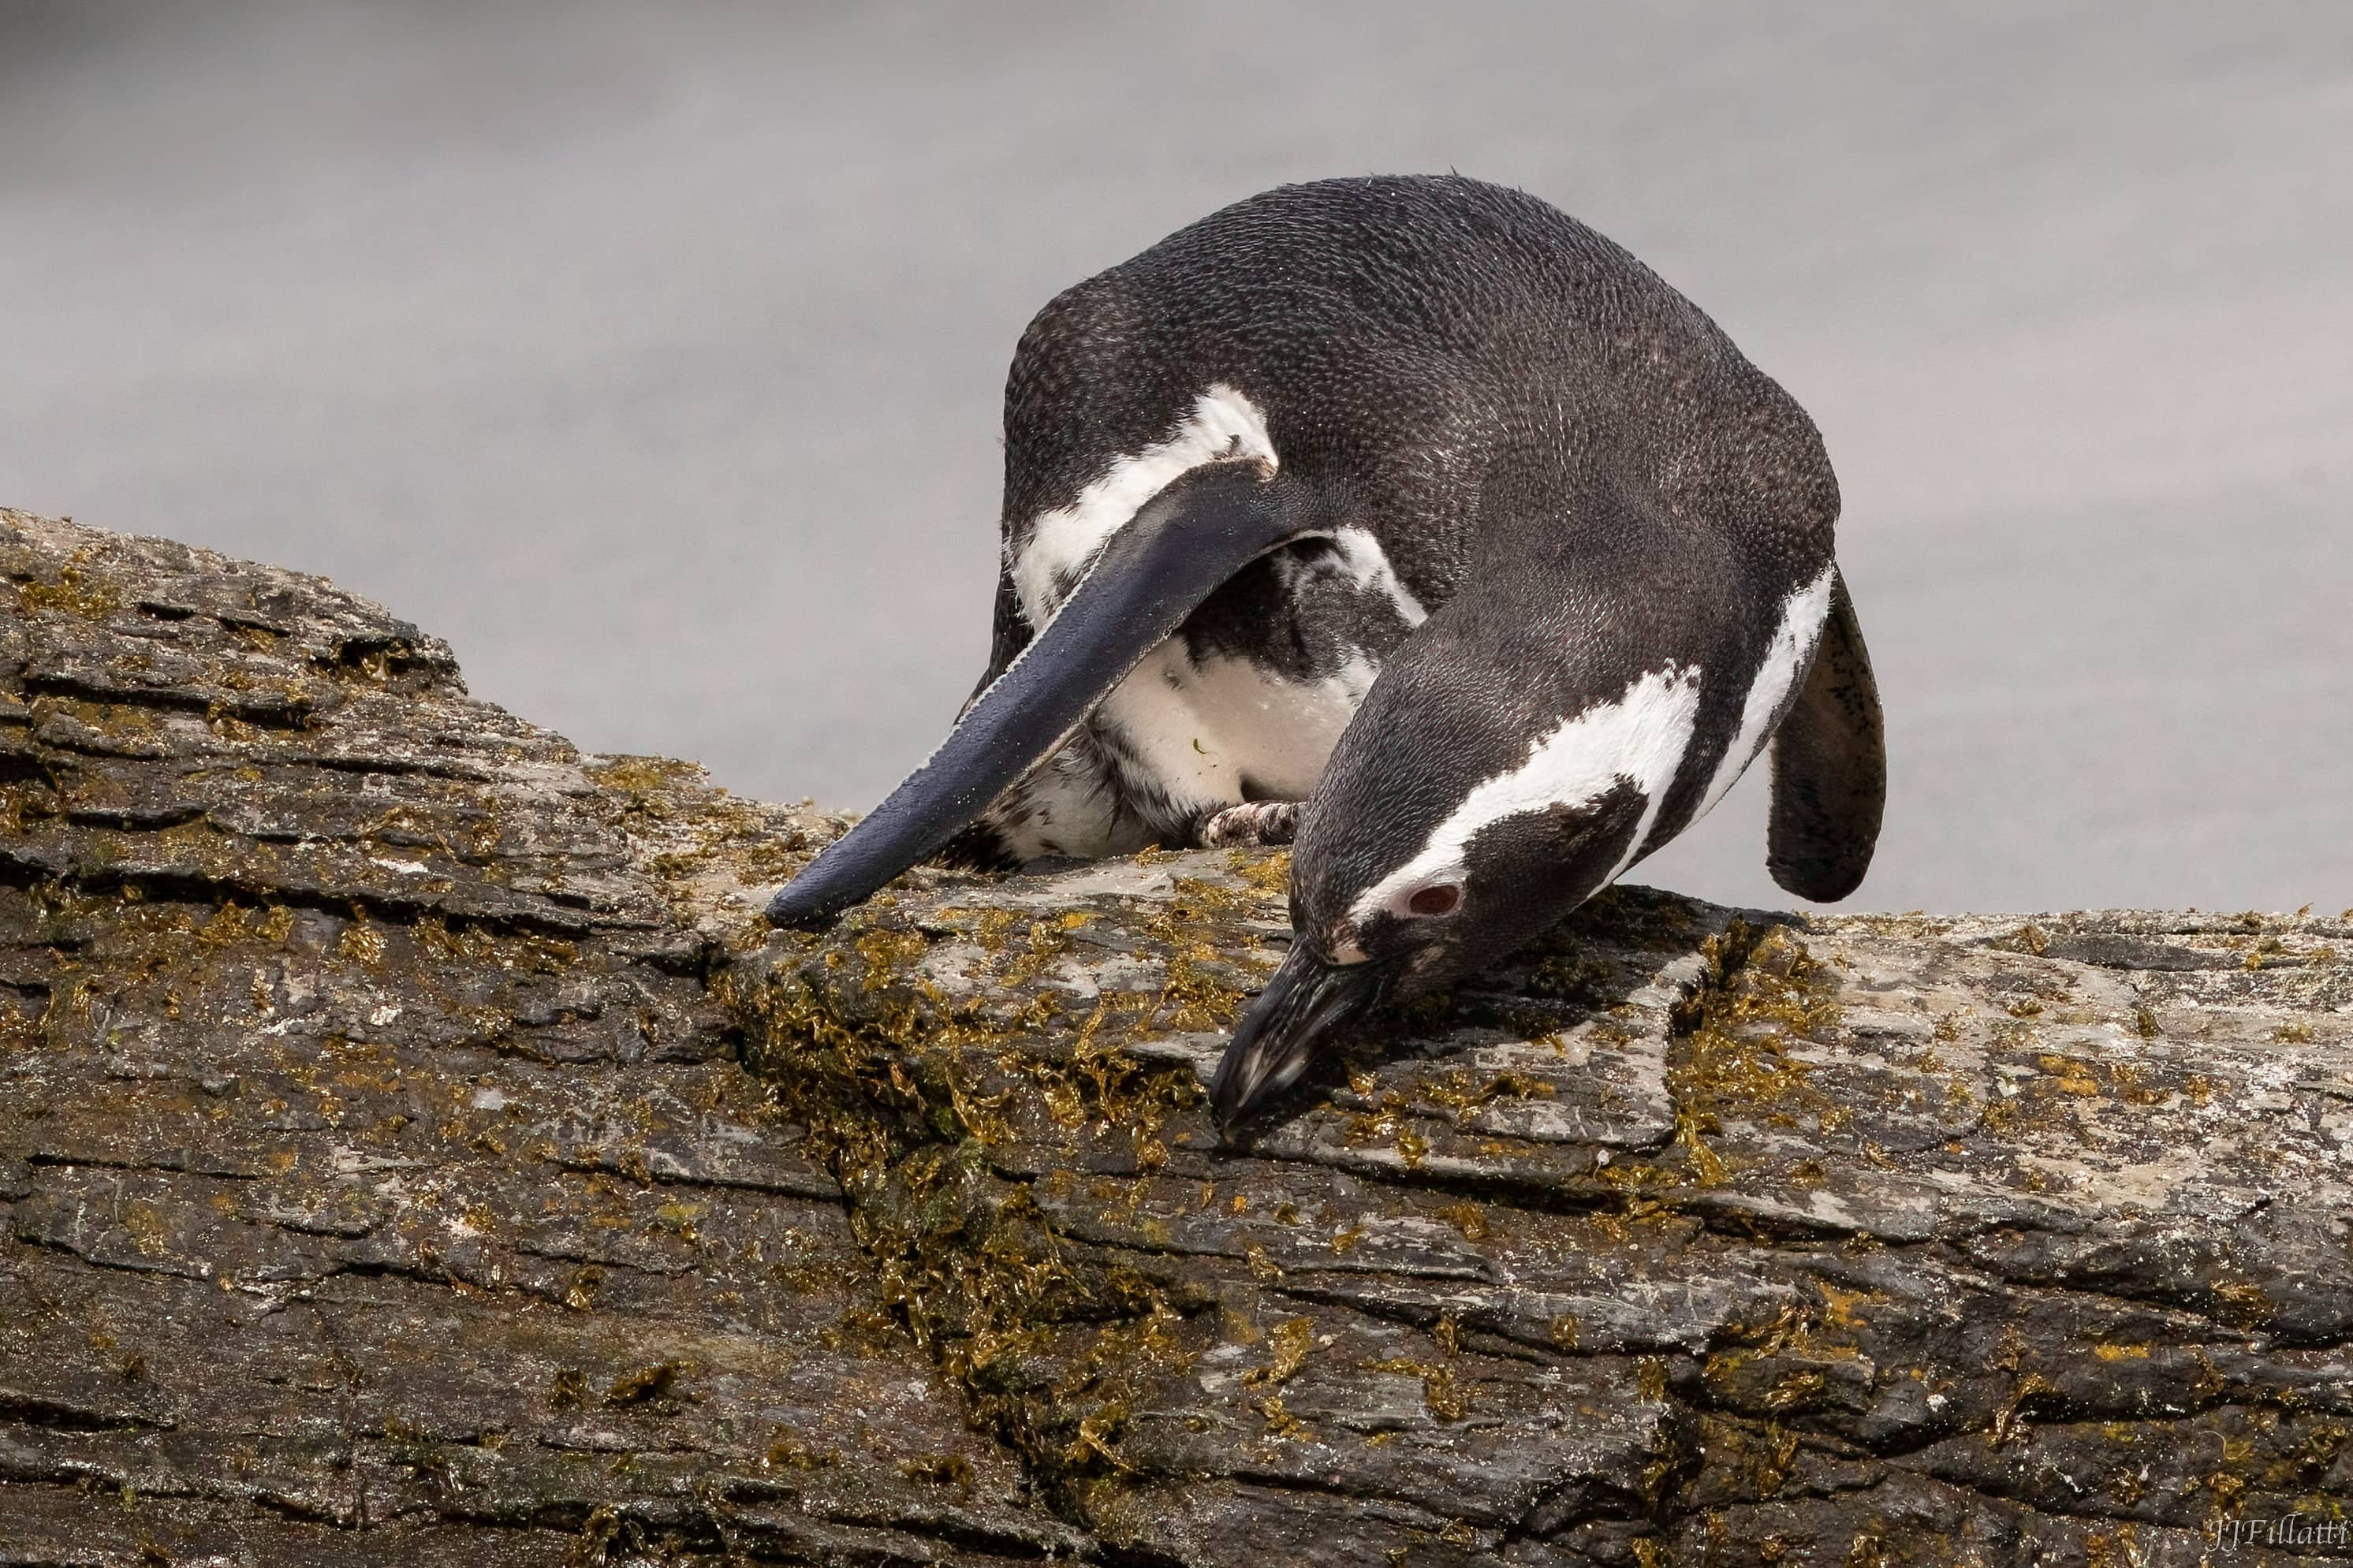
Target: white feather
{"type": "Point", "coordinates": [1060, 541]}
{"type": "Point", "coordinates": [1068, 808]}
{"type": "Point", "coordinates": [1200, 729]}
{"type": "Point", "coordinates": [1786, 661]}
{"type": "Point", "coordinates": [1367, 565]}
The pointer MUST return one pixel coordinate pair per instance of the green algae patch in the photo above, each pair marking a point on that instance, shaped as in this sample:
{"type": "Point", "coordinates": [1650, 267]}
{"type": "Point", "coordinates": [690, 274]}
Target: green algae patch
{"type": "Point", "coordinates": [705, 848]}
{"type": "Point", "coordinates": [79, 588]}
{"type": "Point", "coordinates": [1759, 995]}
{"type": "Point", "coordinates": [930, 1050]}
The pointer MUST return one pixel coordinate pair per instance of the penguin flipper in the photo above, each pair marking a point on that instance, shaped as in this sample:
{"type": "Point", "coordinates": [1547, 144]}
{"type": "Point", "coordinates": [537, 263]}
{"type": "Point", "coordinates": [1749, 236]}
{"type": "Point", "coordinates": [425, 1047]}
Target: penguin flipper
{"type": "Point", "coordinates": [1830, 767]}
{"type": "Point", "coordinates": [1180, 548]}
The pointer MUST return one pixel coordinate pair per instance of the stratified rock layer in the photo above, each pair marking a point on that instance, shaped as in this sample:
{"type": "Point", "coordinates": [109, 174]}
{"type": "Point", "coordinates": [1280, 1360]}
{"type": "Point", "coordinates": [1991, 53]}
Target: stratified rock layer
{"type": "Point", "coordinates": [413, 1149]}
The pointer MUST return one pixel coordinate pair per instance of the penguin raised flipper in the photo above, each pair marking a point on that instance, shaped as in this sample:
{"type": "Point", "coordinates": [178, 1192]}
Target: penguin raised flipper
{"type": "Point", "coordinates": [1830, 767]}
{"type": "Point", "coordinates": [1180, 548]}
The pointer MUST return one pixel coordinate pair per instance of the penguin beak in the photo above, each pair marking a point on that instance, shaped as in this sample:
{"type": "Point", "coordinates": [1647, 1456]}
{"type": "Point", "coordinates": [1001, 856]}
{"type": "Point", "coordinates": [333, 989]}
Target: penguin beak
{"type": "Point", "coordinates": [1302, 1004]}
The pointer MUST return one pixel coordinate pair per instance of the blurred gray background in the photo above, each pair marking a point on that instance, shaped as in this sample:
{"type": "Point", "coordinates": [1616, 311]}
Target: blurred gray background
{"type": "Point", "coordinates": [653, 355]}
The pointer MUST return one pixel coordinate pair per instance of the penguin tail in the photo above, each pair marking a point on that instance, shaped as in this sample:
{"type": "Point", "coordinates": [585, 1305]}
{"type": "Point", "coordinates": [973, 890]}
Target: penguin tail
{"type": "Point", "coordinates": [1830, 767]}
{"type": "Point", "coordinates": [1180, 548]}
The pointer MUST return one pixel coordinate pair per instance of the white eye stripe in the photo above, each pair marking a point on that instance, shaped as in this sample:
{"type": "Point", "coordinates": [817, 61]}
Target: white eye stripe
{"type": "Point", "coordinates": [1642, 736]}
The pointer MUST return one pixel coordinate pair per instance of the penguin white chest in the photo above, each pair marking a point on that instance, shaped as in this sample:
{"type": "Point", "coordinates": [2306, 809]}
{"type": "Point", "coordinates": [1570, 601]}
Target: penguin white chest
{"type": "Point", "coordinates": [1224, 731]}
{"type": "Point", "coordinates": [1257, 723]}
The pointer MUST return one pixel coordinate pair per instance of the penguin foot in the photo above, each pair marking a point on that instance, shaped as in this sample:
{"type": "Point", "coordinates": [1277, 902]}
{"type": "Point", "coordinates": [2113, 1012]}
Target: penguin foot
{"type": "Point", "coordinates": [1250, 826]}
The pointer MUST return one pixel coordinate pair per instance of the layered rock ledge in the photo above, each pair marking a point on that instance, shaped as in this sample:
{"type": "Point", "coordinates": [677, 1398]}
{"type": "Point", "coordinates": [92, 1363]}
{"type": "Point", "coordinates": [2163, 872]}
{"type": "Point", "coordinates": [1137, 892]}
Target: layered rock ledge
{"type": "Point", "coordinates": [414, 1150]}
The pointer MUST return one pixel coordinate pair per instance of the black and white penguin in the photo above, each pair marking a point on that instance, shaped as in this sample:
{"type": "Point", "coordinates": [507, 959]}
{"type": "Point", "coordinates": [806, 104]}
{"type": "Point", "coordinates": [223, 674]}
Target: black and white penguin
{"type": "Point", "coordinates": [1414, 517]}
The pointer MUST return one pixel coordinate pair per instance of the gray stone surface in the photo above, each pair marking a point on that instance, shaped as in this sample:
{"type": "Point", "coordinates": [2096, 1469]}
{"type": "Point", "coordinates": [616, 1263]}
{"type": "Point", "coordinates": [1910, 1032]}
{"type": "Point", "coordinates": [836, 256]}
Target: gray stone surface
{"type": "Point", "coordinates": [413, 1149]}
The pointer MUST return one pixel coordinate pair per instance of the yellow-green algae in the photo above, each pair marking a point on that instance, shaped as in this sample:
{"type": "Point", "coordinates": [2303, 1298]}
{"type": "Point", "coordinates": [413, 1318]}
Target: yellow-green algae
{"type": "Point", "coordinates": [878, 1062]}
{"type": "Point", "coordinates": [82, 588]}
{"type": "Point", "coordinates": [885, 1070]}
{"type": "Point", "coordinates": [1757, 994]}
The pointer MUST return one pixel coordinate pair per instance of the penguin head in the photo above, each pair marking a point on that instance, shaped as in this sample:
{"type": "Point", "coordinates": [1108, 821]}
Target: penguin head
{"type": "Point", "coordinates": [1451, 828]}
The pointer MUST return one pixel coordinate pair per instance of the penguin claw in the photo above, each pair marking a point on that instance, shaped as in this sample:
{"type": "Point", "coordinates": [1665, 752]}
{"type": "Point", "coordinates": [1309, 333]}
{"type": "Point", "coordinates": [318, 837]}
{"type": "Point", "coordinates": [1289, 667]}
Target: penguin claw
{"type": "Point", "coordinates": [1255, 823]}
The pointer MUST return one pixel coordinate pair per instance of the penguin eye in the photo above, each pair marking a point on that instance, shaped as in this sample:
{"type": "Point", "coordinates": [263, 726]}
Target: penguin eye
{"type": "Point", "coordinates": [1438, 899]}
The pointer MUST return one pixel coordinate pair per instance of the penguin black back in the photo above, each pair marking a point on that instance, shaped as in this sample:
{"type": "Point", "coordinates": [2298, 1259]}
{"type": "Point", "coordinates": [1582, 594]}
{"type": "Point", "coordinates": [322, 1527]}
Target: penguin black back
{"type": "Point", "coordinates": [1404, 338]}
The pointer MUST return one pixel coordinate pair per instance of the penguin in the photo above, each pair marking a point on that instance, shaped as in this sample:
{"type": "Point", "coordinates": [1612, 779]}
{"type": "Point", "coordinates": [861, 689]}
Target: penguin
{"type": "Point", "coordinates": [1410, 522]}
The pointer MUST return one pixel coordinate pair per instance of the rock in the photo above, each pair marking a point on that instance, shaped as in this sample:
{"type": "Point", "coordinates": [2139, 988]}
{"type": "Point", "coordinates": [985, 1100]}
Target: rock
{"type": "Point", "coordinates": [413, 1148]}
